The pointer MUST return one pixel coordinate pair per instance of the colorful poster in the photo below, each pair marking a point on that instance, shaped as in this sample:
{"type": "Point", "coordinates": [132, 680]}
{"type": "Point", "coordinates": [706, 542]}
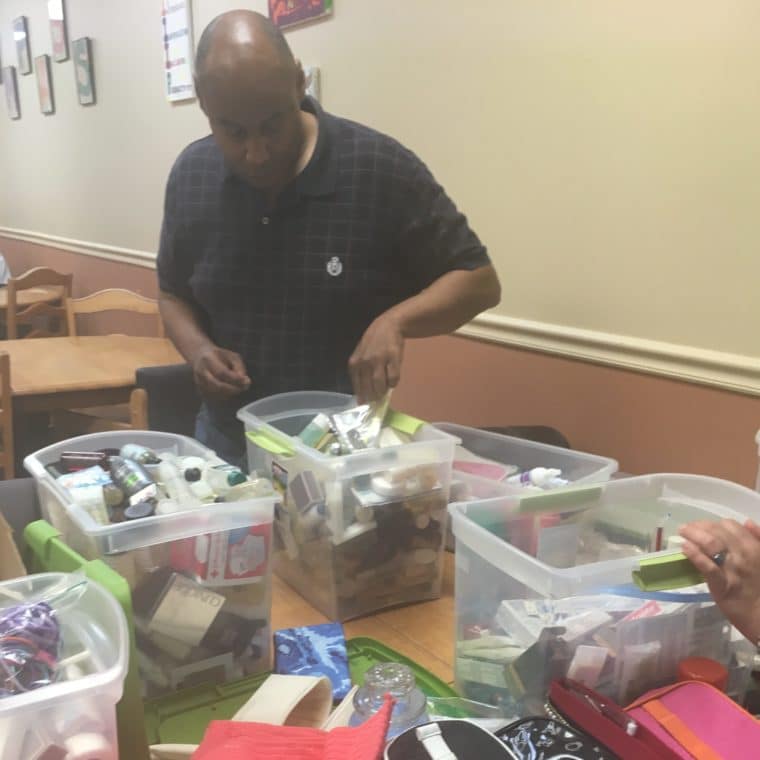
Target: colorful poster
{"type": "Point", "coordinates": [178, 49]}
{"type": "Point", "coordinates": [285, 13]}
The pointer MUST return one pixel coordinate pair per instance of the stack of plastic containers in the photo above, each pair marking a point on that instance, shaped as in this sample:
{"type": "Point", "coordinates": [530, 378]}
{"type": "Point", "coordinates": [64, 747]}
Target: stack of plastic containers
{"type": "Point", "coordinates": [65, 640]}
{"type": "Point", "coordinates": [544, 588]}
{"type": "Point", "coordinates": [200, 576]}
{"type": "Point", "coordinates": [357, 532]}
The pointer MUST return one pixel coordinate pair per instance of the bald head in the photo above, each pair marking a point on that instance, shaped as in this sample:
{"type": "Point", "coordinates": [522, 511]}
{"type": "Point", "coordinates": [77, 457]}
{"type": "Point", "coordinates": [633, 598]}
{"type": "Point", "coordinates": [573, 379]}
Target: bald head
{"type": "Point", "coordinates": [241, 39]}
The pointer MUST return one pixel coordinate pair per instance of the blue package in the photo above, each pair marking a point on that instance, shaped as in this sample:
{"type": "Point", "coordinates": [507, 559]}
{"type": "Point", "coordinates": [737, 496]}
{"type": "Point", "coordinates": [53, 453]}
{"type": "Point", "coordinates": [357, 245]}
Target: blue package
{"type": "Point", "coordinates": [314, 650]}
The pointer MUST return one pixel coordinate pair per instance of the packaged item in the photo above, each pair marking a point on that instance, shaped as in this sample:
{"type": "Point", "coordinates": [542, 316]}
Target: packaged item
{"type": "Point", "coordinates": [132, 478]}
{"type": "Point", "coordinates": [137, 453]}
{"type": "Point", "coordinates": [314, 650]}
{"type": "Point", "coordinates": [360, 427]}
{"type": "Point", "coordinates": [81, 460]}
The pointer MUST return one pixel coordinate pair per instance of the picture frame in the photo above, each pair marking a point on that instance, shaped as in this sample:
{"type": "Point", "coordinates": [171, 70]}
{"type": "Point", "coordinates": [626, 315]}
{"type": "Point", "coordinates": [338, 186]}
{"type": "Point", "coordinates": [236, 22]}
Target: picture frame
{"type": "Point", "coordinates": [287, 13]}
{"type": "Point", "coordinates": [10, 85]}
{"type": "Point", "coordinates": [44, 84]}
{"type": "Point", "coordinates": [58, 30]}
{"type": "Point", "coordinates": [81, 52]}
{"type": "Point", "coordinates": [23, 51]}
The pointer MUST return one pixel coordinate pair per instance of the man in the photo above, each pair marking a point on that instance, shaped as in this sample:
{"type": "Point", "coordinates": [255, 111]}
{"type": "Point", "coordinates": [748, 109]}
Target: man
{"type": "Point", "coordinates": [300, 250]}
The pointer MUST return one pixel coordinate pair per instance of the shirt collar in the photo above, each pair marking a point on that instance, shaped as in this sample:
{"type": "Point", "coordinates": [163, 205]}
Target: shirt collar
{"type": "Point", "coordinates": [320, 174]}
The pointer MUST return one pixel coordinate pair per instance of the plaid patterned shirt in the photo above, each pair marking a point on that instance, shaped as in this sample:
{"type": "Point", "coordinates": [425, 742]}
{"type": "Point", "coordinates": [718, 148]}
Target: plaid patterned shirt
{"type": "Point", "coordinates": [363, 227]}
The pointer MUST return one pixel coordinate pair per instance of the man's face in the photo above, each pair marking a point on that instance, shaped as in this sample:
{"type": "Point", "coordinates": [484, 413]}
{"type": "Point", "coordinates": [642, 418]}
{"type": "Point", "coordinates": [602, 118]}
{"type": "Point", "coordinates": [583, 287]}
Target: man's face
{"type": "Point", "coordinates": [255, 118]}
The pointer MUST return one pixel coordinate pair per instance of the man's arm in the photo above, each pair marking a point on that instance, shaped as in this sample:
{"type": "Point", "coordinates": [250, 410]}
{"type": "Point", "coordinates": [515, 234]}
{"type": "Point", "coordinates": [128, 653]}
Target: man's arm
{"type": "Point", "coordinates": [218, 372]}
{"type": "Point", "coordinates": [445, 305]}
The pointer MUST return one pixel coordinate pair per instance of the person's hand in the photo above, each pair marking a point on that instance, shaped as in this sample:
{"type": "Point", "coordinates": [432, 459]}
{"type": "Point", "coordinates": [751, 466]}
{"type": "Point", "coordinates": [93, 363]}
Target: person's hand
{"type": "Point", "coordinates": [219, 373]}
{"type": "Point", "coordinates": [375, 365]}
{"type": "Point", "coordinates": [734, 584]}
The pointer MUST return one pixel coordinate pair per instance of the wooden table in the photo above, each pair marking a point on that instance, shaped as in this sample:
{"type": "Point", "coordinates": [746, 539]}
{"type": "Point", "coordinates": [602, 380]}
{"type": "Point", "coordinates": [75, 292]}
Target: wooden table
{"type": "Point", "coordinates": [424, 632]}
{"type": "Point", "coordinates": [29, 296]}
{"type": "Point", "coordinates": [91, 370]}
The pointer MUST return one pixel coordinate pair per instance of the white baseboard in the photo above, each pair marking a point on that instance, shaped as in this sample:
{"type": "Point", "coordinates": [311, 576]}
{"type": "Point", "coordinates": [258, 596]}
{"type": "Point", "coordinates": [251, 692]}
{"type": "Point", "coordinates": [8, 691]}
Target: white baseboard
{"type": "Point", "coordinates": [86, 248]}
{"type": "Point", "coordinates": [734, 372]}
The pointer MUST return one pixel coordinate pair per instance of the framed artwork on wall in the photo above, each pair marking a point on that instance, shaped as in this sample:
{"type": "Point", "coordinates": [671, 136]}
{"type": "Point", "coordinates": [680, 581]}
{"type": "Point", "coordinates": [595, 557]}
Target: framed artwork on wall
{"type": "Point", "coordinates": [10, 84]}
{"type": "Point", "coordinates": [58, 33]}
{"type": "Point", "coordinates": [285, 13]}
{"type": "Point", "coordinates": [177, 33]}
{"type": "Point", "coordinates": [81, 51]}
{"type": "Point", "coordinates": [21, 38]}
{"type": "Point", "coordinates": [44, 84]}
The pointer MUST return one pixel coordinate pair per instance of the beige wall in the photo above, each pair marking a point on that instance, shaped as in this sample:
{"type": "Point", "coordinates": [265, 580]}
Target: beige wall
{"type": "Point", "coordinates": [605, 150]}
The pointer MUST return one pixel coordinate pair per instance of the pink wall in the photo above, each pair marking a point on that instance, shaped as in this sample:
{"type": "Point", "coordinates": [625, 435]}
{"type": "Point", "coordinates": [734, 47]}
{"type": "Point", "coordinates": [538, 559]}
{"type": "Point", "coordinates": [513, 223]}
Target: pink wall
{"type": "Point", "coordinates": [647, 423]}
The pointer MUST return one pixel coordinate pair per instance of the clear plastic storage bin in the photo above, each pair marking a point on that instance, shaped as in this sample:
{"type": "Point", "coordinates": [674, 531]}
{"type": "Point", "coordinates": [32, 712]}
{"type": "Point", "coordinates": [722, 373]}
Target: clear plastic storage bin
{"type": "Point", "coordinates": [200, 578]}
{"type": "Point", "coordinates": [544, 589]}
{"type": "Point", "coordinates": [75, 715]}
{"type": "Point", "coordinates": [357, 532]}
{"type": "Point", "coordinates": [577, 467]}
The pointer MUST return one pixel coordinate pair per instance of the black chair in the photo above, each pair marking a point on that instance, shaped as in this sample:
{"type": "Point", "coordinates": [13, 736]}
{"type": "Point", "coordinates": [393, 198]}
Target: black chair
{"type": "Point", "coordinates": [173, 398]}
{"type": "Point", "coordinates": [537, 433]}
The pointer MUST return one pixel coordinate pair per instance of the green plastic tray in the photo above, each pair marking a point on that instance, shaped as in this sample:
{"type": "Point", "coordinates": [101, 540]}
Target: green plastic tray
{"type": "Point", "coordinates": [182, 718]}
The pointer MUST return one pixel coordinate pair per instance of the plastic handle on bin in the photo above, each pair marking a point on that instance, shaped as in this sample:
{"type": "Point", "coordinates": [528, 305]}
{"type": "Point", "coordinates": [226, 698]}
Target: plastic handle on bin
{"type": "Point", "coordinates": [664, 573]}
{"type": "Point", "coordinates": [269, 443]}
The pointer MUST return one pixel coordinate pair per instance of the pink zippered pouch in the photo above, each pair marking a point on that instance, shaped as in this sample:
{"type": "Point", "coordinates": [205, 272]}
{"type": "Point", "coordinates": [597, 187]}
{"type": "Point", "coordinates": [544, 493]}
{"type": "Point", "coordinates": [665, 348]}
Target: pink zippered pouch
{"type": "Point", "coordinates": [696, 720]}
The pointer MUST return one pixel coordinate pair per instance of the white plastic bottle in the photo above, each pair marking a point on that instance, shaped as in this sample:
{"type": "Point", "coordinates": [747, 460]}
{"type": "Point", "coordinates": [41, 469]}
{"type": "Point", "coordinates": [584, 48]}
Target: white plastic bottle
{"type": "Point", "coordinates": [176, 486]}
{"type": "Point", "coordinates": [540, 477]}
{"type": "Point", "coordinates": [221, 476]}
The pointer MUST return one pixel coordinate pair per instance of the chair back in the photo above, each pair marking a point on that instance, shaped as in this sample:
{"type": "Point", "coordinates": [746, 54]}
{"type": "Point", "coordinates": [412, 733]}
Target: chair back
{"type": "Point", "coordinates": [112, 299]}
{"type": "Point", "coordinates": [7, 455]}
{"type": "Point", "coordinates": [37, 300]}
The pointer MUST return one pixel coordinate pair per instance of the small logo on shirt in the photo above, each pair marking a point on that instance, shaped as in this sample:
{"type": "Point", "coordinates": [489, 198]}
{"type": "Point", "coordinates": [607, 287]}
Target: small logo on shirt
{"type": "Point", "coordinates": [334, 266]}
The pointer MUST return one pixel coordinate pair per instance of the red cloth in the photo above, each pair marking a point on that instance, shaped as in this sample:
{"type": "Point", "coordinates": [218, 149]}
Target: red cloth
{"type": "Point", "coordinates": [234, 740]}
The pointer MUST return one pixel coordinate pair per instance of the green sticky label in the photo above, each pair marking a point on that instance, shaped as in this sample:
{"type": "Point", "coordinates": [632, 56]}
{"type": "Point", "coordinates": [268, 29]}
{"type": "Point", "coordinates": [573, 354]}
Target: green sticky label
{"type": "Point", "coordinates": [402, 422]}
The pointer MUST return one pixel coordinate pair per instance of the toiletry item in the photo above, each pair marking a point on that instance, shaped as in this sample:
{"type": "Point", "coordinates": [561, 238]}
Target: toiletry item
{"type": "Point", "coordinates": [132, 478]}
{"type": "Point", "coordinates": [138, 453]}
{"type": "Point", "coordinates": [540, 477]}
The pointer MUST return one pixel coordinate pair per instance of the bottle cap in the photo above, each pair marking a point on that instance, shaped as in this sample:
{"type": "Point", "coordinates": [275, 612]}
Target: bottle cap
{"type": "Point", "coordinates": [703, 669]}
{"type": "Point", "coordinates": [139, 510]}
{"type": "Point", "coordinates": [192, 474]}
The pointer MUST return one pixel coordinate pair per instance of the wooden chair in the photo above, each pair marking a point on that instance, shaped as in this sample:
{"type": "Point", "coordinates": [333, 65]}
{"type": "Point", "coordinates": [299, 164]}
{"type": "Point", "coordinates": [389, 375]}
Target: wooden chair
{"type": "Point", "coordinates": [113, 299]}
{"type": "Point", "coordinates": [133, 415]}
{"type": "Point", "coordinates": [34, 311]}
{"type": "Point", "coordinates": [7, 455]}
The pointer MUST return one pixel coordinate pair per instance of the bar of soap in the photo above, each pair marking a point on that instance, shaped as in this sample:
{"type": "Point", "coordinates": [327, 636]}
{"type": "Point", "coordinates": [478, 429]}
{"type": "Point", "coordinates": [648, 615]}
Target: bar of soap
{"type": "Point", "coordinates": [314, 650]}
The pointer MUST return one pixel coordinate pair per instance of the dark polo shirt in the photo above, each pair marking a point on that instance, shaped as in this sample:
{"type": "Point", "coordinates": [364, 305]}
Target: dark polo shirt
{"type": "Point", "coordinates": [363, 227]}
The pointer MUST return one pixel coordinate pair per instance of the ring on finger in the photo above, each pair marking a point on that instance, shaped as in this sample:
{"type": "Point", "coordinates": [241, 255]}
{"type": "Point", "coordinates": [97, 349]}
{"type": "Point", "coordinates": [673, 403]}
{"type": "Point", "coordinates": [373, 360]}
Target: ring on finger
{"type": "Point", "coordinates": [719, 558]}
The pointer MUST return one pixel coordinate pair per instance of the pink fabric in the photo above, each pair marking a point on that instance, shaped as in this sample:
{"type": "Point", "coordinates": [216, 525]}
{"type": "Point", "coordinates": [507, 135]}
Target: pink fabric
{"type": "Point", "coordinates": [719, 722]}
{"type": "Point", "coordinates": [237, 740]}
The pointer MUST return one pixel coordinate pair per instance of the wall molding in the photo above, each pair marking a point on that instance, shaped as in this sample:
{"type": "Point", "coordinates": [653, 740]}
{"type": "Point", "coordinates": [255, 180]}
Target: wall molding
{"type": "Point", "coordinates": [735, 372]}
{"type": "Point", "coordinates": [85, 247]}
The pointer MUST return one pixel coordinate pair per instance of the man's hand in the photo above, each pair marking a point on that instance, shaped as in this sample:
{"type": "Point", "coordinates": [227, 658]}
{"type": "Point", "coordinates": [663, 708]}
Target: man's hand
{"type": "Point", "coordinates": [375, 365]}
{"type": "Point", "coordinates": [734, 584]}
{"type": "Point", "coordinates": [219, 373]}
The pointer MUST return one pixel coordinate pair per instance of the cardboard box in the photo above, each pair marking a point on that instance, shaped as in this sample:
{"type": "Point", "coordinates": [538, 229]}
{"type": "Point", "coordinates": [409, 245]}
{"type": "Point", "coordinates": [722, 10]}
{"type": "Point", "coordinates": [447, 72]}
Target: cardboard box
{"type": "Point", "coordinates": [11, 565]}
